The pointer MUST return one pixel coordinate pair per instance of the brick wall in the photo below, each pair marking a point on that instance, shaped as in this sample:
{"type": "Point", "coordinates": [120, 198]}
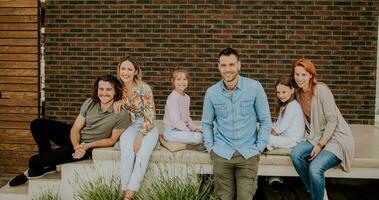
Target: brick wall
{"type": "Point", "coordinates": [86, 38]}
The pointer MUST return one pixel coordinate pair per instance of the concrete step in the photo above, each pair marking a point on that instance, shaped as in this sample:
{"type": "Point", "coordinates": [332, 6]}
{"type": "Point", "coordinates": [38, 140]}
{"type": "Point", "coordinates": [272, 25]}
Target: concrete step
{"type": "Point", "coordinates": [72, 174]}
{"type": "Point", "coordinates": [65, 181]}
{"type": "Point", "coordinates": [49, 183]}
{"type": "Point", "coordinates": [14, 193]}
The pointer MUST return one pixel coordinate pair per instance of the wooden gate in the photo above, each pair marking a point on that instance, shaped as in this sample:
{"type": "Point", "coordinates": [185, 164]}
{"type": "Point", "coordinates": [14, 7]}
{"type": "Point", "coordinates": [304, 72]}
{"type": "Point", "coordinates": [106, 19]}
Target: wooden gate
{"type": "Point", "coordinates": [19, 83]}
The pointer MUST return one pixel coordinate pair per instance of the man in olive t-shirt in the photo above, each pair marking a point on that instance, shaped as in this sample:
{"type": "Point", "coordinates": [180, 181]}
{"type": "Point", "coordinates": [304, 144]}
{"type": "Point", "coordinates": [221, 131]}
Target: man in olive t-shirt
{"type": "Point", "coordinates": [97, 125]}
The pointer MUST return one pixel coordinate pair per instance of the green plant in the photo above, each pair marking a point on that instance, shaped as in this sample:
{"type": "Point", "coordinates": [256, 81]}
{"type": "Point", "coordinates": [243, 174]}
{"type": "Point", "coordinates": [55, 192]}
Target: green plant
{"type": "Point", "coordinates": [99, 189]}
{"type": "Point", "coordinates": [47, 195]}
{"type": "Point", "coordinates": [178, 188]}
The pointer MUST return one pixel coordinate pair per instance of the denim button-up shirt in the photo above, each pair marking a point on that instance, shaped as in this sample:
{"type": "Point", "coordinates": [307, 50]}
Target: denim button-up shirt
{"type": "Point", "coordinates": [230, 119]}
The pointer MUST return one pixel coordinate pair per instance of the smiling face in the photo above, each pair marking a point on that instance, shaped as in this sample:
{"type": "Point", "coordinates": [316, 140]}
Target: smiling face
{"type": "Point", "coordinates": [180, 82]}
{"type": "Point", "coordinates": [302, 77]}
{"type": "Point", "coordinates": [229, 67]}
{"type": "Point", "coordinates": [284, 93]}
{"type": "Point", "coordinates": [127, 72]}
{"type": "Point", "coordinates": [105, 92]}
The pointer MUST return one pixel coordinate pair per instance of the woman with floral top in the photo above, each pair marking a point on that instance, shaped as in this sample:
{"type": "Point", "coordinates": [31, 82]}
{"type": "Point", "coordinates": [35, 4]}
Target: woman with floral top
{"type": "Point", "coordinates": [138, 141]}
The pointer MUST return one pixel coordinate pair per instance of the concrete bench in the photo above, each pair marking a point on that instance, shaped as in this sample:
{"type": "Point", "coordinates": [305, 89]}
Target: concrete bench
{"type": "Point", "coordinates": [106, 163]}
{"type": "Point", "coordinates": [277, 163]}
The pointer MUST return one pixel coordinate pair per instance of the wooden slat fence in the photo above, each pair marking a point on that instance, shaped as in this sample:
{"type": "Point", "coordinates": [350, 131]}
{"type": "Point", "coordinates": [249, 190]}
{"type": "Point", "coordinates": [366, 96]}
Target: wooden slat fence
{"type": "Point", "coordinates": [18, 82]}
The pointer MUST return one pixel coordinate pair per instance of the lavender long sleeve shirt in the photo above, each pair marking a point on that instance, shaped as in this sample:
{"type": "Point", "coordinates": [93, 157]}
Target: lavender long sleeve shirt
{"type": "Point", "coordinates": [177, 114]}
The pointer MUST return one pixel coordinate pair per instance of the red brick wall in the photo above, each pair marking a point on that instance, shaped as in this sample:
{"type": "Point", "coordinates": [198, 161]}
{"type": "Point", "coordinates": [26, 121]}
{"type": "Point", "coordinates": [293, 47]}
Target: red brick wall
{"type": "Point", "coordinates": [86, 38]}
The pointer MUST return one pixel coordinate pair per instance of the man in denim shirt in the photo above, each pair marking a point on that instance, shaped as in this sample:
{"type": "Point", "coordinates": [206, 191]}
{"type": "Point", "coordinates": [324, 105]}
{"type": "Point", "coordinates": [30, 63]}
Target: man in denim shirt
{"type": "Point", "coordinates": [235, 104]}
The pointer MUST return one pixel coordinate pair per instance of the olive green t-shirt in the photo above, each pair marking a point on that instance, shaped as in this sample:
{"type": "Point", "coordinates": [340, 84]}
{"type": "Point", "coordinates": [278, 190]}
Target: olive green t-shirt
{"type": "Point", "coordinates": [99, 125]}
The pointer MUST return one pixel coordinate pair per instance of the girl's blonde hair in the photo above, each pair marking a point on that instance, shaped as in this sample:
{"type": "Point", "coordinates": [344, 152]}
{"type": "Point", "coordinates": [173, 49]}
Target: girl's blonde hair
{"type": "Point", "coordinates": [176, 73]}
{"type": "Point", "coordinates": [280, 107]}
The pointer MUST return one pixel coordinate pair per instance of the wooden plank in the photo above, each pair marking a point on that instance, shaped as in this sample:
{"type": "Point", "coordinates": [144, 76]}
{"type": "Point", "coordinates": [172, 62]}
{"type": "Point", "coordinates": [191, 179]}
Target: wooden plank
{"type": "Point", "coordinates": [13, 166]}
{"type": "Point", "coordinates": [5, 177]}
{"type": "Point", "coordinates": [18, 18]}
{"type": "Point", "coordinates": [13, 136]}
{"type": "Point", "coordinates": [12, 49]}
{"type": "Point", "coordinates": [19, 26]}
{"type": "Point", "coordinates": [17, 87]}
{"type": "Point", "coordinates": [21, 65]}
{"type": "Point", "coordinates": [19, 42]}
{"type": "Point", "coordinates": [17, 79]}
{"type": "Point", "coordinates": [18, 3]}
{"type": "Point", "coordinates": [14, 169]}
{"type": "Point", "coordinates": [14, 125]}
{"type": "Point", "coordinates": [17, 147]}
{"type": "Point", "coordinates": [19, 34]}
{"type": "Point", "coordinates": [19, 57]}
{"type": "Point", "coordinates": [19, 72]}
{"type": "Point", "coordinates": [18, 102]}
{"type": "Point", "coordinates": [17, 117]}
{"type": "Point", "coordinates": [18, 154]}
{"type": "Point", "coordinates": [10, 162]}
{"type": "Point", "coordinates": [19, 95]}
{"type": "Point", "coordinates": [14, 154]}
{"type": "Point", "coordinates": [19, 109]}
{"type": "Point", "coordinates": [18, 11]}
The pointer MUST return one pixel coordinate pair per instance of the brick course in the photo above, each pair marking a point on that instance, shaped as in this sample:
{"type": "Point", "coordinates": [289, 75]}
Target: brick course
{"type": "Point", "coordinates": [86, 38]}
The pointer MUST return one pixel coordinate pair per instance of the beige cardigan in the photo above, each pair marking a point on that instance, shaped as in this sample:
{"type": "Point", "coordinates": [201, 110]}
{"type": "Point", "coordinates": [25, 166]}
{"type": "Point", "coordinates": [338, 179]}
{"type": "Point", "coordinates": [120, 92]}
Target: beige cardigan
{"type": "Point", "coordinates": [327, 122]}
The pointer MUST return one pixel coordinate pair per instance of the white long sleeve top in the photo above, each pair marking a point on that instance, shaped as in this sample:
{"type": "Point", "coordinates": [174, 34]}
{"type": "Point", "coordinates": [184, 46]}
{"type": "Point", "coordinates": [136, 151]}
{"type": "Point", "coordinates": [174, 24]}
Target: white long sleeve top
{"type": "Point", "coordinates": [291, 124]}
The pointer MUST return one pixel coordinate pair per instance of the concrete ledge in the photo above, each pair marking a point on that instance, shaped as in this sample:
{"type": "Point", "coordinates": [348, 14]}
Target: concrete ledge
{"type": "Point", "coordinates": [106, 163]}
{"type": "Point", "coordinates": [278, 163]}
{"type": "Point", "coordinates": [186, 156]}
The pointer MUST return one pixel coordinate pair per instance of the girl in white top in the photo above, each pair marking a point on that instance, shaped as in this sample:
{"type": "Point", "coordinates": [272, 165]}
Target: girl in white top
{"type": "Point", "coordinates": [180, 131]}
{"type": "Point", "coordinates": [289, 128]}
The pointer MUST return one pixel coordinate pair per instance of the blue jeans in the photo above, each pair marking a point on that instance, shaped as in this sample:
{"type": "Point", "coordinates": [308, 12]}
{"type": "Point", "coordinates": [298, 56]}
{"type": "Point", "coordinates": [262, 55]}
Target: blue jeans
{"type": "Point", "coordinates": [312, 173]}
{"type": "Point", "coordinates": [134, 166]}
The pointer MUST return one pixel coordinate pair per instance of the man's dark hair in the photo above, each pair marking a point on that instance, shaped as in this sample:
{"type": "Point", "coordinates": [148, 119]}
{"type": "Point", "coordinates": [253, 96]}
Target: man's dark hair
{"type": "Point", "coordinates": [113, 81]}
{"type": "Point", "coordinates": [227, 52]}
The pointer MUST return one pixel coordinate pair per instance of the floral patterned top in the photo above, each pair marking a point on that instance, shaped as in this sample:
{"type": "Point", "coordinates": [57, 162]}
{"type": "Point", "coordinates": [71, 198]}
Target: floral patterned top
{"type": "Point", "coordinates": [141, 103]}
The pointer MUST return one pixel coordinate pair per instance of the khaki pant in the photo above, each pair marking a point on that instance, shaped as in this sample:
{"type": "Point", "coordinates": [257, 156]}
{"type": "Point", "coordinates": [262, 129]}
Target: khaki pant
{"type": "Point", "coordinates": [235, 178]}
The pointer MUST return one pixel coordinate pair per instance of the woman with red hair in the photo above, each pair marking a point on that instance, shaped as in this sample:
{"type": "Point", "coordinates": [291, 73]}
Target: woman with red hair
{"type": "Point", "coordinates": [328, 141]}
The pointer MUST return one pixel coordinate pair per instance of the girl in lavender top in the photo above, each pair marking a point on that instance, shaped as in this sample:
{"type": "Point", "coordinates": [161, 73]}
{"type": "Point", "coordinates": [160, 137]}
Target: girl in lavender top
{"type": "Point", "coordinates": [180, 131]}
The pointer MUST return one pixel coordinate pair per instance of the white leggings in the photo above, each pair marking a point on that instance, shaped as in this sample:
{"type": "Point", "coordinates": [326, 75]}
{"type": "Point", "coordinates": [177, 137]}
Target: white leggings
{"type": "Point", "coordinates": [185, 137]}
{"type": "Point", "coordinates": [133, 167]}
